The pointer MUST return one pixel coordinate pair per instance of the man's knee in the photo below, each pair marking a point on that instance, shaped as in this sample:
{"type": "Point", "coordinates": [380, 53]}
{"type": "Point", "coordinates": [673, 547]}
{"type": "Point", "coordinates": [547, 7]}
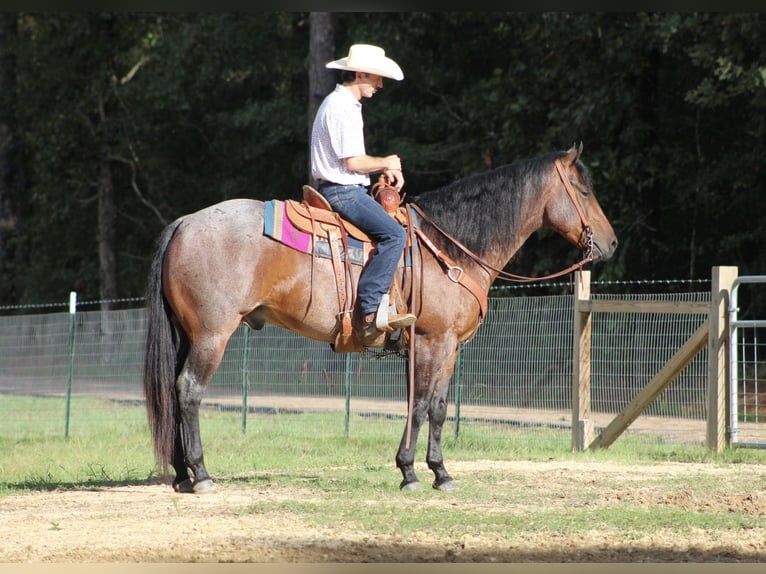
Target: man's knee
{"type": "Point", "coordinates": [394, 237]}
{"type": "Point", "coordinates": [400, 236]}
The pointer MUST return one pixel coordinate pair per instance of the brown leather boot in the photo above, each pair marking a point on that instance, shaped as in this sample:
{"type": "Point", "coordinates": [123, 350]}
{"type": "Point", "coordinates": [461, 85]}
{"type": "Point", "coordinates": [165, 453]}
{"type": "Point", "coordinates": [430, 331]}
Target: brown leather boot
{"type": "Point", "coordinates": [368, 328]}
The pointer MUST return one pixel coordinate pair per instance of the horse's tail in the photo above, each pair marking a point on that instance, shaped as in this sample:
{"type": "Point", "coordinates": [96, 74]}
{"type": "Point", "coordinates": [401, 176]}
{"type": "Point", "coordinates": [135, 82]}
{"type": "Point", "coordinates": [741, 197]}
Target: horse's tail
{"type": "Point", "coordinates": [160, 359]}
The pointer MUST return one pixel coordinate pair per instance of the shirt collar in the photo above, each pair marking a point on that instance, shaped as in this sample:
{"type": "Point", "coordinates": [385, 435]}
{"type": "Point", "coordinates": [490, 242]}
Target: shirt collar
{"type": "Point", "coordinates": [341, 89]}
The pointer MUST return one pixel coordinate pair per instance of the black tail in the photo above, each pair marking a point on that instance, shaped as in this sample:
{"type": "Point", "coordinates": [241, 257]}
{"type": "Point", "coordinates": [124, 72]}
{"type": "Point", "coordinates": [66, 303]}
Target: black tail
{"type": "Point", "coordinates": [160, 359]}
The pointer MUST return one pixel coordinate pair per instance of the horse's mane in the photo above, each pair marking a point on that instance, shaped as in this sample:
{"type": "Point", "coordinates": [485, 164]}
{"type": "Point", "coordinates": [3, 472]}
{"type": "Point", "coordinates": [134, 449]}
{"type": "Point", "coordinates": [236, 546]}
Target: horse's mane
{"type": "Point", "coordinates": [482, 211]}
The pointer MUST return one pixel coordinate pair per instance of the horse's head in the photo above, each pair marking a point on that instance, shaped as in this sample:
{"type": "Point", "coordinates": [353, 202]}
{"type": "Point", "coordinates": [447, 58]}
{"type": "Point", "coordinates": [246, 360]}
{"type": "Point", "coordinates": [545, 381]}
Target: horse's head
{"type": "Point", "coordinates": [573, 211]}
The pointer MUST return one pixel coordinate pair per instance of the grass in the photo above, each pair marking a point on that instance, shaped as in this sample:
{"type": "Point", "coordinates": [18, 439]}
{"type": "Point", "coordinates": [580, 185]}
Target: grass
{"type": "Point", "coordinates": [352, 480]}
{"type": "Point", "coordinates": [337, 479]}
{"type": "Point", "coordinates": [507, 509]}
{"type": "Point", "coordinates": [110, 444]}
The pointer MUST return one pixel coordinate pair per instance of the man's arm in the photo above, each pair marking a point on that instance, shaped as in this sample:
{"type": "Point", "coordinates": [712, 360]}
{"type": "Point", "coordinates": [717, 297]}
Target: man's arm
{"type": "Point", "coordinates": [390, 165]}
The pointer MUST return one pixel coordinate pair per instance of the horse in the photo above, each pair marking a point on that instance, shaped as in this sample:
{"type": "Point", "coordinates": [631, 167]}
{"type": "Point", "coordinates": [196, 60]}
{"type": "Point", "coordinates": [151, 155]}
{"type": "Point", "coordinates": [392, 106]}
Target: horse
{"type": "Point", "coordinates": [215, 269]}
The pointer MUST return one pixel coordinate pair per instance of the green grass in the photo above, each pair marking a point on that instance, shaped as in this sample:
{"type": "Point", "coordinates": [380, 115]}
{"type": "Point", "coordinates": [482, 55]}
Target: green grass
{"type": "Point", "coordinates": [320, 477]}
{"type": "Point", "coordinates": [110, 444]}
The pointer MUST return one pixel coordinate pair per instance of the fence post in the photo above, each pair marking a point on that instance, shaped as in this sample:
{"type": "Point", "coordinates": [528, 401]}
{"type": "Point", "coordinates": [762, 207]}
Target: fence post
{"type": "Point", "coordinates": [582, 425]}
{"type": "Point", "coordinates": [722, 282]}
{"type": "Point", "coordinates": [70, 352]}
{"type": "Point", "coordinates": [245, 361]}
{"type": "Point", "coordinates": [458, 389]}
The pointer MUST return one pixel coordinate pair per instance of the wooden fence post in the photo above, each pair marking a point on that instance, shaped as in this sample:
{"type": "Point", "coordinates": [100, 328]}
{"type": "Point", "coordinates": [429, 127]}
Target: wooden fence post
{"type": "Point", "coordinates": [582, 425]}
{"type": "Point", "coordinates": [718, 349]}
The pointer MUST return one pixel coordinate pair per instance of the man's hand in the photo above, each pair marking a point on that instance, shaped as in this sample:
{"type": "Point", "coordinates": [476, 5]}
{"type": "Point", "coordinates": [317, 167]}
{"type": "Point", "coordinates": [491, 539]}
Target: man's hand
{"type": "Point", "coordinates": [395, 178]}
{"type": "Point", "coordinates": [390, 165]}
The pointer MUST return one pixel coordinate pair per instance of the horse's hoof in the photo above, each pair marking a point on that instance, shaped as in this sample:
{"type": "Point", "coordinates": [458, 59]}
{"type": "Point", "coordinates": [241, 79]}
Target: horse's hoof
{"type": "Point", "coordinates": [411, 486]}
{"type": "Point", "coordinates": [206, 485]}
{"type": "Point", "coordinates": [446, 486]}
{"type": "Point", "coordinates": [184, 486]}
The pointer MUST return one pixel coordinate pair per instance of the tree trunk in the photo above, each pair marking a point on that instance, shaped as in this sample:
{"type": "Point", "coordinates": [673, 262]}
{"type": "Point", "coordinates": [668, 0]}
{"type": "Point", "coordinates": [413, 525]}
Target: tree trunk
{"type": "Point", "coordinates": [321, 51]}
{"type": "Point", "coordinates": [107, 211]}
{"type": "Point", "coordinates": [649, 192]}
{"type": "Point", "coordinates": [107, 219]}
{"type": "Point", "coordinates": [7, 148]}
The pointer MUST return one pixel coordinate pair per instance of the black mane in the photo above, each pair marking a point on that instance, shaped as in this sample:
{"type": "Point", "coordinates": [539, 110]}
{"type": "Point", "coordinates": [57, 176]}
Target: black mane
{"type": "Point", "coordinates": [482, 210]}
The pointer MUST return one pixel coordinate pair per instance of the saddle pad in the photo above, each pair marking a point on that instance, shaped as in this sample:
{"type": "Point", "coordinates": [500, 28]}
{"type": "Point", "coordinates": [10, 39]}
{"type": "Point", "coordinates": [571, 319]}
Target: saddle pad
{"type": "Point", "coordinates": [278, 226]}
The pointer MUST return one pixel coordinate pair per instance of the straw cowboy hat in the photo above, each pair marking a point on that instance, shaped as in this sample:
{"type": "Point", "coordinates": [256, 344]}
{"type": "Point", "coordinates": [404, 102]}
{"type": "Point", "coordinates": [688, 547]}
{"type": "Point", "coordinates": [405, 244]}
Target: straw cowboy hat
{"type": "Point", "coordinates": [369, 59]}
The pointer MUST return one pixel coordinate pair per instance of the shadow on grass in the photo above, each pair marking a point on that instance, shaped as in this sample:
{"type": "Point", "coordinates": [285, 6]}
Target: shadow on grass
{"type": "Point", "coordinates": [41, 485]}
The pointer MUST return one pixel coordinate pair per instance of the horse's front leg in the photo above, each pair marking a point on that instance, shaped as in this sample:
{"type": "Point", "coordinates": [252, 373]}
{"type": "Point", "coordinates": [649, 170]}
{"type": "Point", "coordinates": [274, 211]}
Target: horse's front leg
{"type": "Point", "coordinates": [437, 414]}
{"type": "Point", "coordinates": [434, 363]}
{"type": "Point", "coordinates": [405, 457]}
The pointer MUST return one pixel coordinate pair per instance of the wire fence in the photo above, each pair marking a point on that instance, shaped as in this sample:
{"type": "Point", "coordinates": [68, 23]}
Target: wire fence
{"type": "Point", "coordinates": [515, 375]}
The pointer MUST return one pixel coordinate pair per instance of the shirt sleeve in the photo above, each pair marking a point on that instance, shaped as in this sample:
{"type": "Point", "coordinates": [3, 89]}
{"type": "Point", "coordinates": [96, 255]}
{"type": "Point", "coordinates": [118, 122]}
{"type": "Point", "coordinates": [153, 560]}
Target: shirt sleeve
{"type": "Point", "coordinates": [346, 130]}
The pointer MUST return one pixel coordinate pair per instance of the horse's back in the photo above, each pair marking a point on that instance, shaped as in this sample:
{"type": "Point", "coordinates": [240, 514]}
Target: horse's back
{"type": "Point", "coordinates": [226, 220]}
{"type": "Point", "coordinates": [209, 264]}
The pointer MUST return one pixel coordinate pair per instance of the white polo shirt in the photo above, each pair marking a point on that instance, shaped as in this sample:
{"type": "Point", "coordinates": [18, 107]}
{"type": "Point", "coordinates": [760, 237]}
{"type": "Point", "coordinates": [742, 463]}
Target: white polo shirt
{"type": "Point", "coordinates": [338, 133]}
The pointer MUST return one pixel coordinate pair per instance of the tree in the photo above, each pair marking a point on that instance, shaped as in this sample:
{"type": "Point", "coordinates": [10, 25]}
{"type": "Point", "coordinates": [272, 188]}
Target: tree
{"type": "Point", "coordinates": [8, 155]}
{"type": "Point", "coordinates": [133, 119]}
{"type": "Point", "coordinates": [321, 51]}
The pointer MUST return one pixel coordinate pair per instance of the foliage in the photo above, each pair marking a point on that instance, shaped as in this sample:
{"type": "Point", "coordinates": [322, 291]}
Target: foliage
{"type": "Point", "coordinates": [187, 109]}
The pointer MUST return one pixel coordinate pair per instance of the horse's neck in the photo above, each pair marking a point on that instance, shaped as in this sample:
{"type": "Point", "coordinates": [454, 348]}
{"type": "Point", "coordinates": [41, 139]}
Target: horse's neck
{"type": "Point", "coordinates": [529, 220]}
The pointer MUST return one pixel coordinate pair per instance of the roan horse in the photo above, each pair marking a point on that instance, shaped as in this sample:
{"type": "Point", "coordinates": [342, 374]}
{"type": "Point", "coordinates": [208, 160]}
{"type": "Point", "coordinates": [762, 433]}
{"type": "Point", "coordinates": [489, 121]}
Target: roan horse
{"type": "Point", "coordinates": [215, 268]}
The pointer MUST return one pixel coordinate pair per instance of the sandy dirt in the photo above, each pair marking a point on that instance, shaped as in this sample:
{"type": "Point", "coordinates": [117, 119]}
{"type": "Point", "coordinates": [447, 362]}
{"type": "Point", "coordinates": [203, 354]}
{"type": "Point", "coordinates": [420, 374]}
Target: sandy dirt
{"type": "Point", "coordinates": [151, 523]}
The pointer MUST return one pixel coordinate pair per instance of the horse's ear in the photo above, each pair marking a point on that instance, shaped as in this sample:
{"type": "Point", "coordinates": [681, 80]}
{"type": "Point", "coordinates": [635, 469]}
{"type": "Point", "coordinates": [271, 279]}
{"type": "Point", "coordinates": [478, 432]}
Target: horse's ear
{"type": "Point", "coordinates": [572, 154]}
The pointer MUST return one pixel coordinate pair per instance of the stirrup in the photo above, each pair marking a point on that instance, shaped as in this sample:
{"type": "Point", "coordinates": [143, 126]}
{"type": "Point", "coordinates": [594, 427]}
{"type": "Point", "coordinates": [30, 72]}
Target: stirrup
{"type": "Point", "coordinates": [387, 314]}
{"type": "Point", "coordinates": [381, 317]}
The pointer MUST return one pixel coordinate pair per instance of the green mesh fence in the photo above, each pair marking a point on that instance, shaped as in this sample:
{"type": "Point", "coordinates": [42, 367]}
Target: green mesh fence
{"type": "Point", "coordinates": [515, 375]}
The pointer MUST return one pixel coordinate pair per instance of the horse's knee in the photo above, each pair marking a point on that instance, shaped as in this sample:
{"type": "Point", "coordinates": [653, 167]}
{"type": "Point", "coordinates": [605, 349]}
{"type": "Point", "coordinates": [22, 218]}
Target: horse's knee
{"type": "Point", "coordinates": [438, 410]}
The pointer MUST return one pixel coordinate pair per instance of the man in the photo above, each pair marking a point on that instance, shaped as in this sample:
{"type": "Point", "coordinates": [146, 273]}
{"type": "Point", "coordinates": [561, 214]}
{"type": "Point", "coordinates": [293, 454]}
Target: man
{"type": "Point", "coordinates": [342, 168]}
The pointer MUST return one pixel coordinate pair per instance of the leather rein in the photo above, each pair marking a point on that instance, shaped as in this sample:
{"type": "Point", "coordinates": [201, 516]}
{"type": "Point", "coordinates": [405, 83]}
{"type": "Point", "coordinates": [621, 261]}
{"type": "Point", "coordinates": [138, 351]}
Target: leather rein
{"type": "Point", "coordinates": [456, 273]}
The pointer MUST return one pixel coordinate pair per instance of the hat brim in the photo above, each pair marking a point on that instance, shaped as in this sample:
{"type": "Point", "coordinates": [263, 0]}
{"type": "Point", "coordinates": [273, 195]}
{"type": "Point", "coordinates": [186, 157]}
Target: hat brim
{"type": "Point", "coordinates": [388, 69]}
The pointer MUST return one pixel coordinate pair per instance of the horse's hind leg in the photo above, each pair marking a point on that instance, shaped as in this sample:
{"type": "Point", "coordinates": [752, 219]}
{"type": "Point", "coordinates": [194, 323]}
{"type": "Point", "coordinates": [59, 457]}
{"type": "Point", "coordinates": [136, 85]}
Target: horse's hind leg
{"type": "Point", "coordinates": [201, 363]}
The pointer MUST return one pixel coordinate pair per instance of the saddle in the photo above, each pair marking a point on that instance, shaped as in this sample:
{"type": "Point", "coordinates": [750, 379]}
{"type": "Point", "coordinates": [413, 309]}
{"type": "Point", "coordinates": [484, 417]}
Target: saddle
{"type": "Point", "coordinates": [315, 216]}
{"type": "Point", "coordinates": [314, 213]}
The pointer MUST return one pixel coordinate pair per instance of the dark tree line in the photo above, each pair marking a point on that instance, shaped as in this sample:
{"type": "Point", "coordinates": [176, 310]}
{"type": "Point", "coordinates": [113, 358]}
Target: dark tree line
{"type": "Point", "coordinates": [114, 124]}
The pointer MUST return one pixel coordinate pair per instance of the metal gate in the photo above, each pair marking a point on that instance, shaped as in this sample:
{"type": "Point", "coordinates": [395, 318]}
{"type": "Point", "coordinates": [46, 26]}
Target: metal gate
{"type": "Point", "coordinates": [747, 372]}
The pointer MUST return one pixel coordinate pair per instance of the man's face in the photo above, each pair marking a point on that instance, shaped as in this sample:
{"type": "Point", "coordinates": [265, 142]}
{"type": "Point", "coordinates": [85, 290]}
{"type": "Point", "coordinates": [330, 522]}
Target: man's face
{"type": "Point", "coordinates": [369, 84]}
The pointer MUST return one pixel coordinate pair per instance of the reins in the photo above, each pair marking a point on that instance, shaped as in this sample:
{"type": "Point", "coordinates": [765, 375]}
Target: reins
{"type": "Point", "coordinates": [455, 272]}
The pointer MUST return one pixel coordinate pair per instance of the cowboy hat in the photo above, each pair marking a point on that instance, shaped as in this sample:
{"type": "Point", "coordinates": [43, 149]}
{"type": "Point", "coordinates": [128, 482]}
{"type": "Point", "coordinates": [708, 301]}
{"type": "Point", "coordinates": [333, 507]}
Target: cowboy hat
{"type": "Point", "coordinates": [369, 59]}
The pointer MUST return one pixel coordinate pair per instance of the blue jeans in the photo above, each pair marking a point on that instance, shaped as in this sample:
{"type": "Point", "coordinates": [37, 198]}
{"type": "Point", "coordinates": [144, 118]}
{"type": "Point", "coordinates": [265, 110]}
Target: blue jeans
{"type": "Point", "coordinates": [356, 205]}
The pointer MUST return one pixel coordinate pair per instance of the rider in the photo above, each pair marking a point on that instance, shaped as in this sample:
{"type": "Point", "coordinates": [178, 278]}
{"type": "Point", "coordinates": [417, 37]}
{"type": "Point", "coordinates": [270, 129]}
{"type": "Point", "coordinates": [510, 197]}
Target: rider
{"type": "Point", "coordinates": [342, 168]}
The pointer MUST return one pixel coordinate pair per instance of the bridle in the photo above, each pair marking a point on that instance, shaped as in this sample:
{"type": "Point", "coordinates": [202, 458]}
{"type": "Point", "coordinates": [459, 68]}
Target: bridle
{"type": "Point", "coordinates": [455, 273]}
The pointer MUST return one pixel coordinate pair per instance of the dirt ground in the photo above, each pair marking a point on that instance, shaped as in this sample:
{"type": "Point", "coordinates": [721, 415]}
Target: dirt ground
{"type": "Point", "coordinates": [151, 523]}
